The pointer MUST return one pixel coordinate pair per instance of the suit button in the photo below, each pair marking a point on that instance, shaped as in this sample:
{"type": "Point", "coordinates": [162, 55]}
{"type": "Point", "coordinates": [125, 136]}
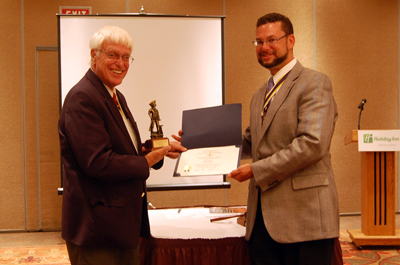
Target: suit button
{"type": "Point", "coordinates": [143, 194]}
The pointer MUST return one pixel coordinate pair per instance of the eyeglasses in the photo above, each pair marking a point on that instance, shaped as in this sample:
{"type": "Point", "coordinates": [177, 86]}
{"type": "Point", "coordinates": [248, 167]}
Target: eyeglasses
{"type": "Point", "coordinates": [270, 42]}
{"type": "Point", "coordinates": [114, 57]}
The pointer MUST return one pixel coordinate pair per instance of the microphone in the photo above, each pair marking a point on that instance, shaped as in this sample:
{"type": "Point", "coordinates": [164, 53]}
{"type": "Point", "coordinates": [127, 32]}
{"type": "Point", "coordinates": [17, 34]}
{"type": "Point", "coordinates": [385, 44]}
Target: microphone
{"type": "Point", "coordinates": [361, 107]}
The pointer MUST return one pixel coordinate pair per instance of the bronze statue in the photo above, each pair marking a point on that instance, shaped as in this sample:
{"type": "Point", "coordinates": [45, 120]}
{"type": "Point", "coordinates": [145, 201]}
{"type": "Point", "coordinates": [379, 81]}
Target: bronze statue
{"type": "Point", "coordinates": [157, 140]}
{"type": "Point", "coordinates": [155, 120]}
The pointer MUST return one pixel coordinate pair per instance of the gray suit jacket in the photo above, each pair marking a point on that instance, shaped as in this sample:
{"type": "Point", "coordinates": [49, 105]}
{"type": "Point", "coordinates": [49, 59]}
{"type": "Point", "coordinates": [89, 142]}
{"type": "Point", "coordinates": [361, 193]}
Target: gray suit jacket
{"type": "Point", "coordinates": [291, 159]}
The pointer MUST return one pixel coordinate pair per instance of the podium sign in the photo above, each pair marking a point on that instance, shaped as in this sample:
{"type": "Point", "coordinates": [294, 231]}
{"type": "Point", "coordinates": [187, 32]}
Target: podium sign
{"type": "Point", "coordinates": [378, 140]}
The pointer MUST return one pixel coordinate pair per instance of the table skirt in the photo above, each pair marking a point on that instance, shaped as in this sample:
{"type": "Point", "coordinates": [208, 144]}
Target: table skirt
{"type": "Point", "coordinates": [233, 251]}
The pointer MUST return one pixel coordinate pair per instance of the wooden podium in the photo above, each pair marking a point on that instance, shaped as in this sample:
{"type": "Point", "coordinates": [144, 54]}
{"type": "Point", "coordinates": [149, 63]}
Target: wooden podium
{"type": "Point", "coordinates": [378, 199]}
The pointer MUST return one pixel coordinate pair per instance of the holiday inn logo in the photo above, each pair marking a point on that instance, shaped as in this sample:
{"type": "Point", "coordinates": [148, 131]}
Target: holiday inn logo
{"type": "Point", "coordinates": [378, 140]}
{"type": "Point", "coordinates": [368, 138]}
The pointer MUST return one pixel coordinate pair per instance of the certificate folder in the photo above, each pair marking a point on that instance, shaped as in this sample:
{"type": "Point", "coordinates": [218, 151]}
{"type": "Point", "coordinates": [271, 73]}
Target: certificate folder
{"type": "Point", "coordinates": [213, 137]}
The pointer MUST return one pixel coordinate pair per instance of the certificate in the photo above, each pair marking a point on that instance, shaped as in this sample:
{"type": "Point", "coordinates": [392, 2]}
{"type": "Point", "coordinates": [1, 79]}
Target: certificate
{"type": "Point", "coordinates": [208, 161]}
{"type": "Point", "coordinates": [213, 137]}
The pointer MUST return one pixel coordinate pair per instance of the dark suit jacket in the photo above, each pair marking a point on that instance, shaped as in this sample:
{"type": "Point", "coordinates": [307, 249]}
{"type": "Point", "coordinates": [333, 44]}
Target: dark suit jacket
{"type": "Point", "coordinates": [104, 201]}
{"type": "Point", "coordinates": [291, 159]}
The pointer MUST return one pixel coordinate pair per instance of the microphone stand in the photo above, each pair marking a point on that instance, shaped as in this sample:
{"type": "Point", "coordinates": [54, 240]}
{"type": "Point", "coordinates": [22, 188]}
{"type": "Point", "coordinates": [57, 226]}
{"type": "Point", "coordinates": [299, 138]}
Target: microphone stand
{"type": "Point", "coordinates": [361, 107]}
{"type": "Point", "coordinates": [359, 116]}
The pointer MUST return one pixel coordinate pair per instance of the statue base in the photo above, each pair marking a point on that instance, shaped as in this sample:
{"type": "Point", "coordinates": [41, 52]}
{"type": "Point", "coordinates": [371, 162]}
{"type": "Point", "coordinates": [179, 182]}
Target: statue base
{"type": "Point", "coordinates": [156, 143]}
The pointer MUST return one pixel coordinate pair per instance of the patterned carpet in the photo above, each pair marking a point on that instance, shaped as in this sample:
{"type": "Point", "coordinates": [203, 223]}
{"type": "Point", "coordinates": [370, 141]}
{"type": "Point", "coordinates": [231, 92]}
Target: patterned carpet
{"type": "Point", "coordinates": [56, 255]}
{"type": "Point", "coordinates": [48, 248]}
{"type": "Point", "coordinates": [367, 255]}
{"type": "Point", "coordinates": [33, 248]}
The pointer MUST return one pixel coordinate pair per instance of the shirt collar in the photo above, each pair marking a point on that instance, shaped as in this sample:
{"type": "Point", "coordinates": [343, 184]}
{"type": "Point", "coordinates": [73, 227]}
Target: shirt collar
{"type": "Point", "coordinates": [111, 91]}
{"type": "Point", "coordinates": [284, 70]}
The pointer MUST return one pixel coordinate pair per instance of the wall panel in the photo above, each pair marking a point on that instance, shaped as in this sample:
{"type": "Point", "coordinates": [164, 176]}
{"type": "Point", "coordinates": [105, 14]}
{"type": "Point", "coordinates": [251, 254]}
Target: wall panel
{"type": "Point", "coordinates": [357, 46]}
{"type": "Point", "coordinates": [179, 7]}
{"type": "Point", "coordinates": [12, 201]}
{"type": "Point", "coordinates": [47, 91]}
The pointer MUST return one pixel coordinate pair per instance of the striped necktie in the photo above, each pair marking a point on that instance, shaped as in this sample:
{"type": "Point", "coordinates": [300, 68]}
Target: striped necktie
{"type": "Point", "coordinates": [116, 102]}
{"type": "Point", "coordinates": [272, 89]}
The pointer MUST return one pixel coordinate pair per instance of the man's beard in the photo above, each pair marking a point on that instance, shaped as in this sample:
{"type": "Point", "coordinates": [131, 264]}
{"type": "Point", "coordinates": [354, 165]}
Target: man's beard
{"type": "Point", "coordinates": [275, 62]}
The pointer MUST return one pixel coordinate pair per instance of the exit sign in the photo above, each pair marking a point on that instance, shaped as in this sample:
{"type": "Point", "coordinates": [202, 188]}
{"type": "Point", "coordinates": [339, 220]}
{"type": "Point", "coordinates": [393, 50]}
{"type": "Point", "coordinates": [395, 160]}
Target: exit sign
{"type": "Point", "coordinates": [75, 10]}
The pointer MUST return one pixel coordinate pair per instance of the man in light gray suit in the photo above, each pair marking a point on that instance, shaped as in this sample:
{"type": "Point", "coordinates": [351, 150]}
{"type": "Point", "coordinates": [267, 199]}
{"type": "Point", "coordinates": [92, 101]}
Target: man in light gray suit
{"type": "Point", "coordinates": [292, 211]}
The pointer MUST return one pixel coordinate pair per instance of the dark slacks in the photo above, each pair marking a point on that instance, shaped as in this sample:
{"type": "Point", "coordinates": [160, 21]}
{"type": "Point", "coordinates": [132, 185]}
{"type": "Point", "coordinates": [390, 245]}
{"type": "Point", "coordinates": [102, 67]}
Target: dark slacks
{"type": "Point", "coordinates": [102, 256]}
{"type": "Point", "coordinates": [264, 250]}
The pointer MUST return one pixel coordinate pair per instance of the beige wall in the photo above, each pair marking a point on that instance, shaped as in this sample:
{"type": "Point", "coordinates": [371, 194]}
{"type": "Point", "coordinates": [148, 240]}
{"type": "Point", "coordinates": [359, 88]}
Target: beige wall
{"type": "Point", "coordinates": [11, 119]}
{"type": "Point", "coordinates": [356, 45]}
{"type": "Point", "coordinates": [359, 68]}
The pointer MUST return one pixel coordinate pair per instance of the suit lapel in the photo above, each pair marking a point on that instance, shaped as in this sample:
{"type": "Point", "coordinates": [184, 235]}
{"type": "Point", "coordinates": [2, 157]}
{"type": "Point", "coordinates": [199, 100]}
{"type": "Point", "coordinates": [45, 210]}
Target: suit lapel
{"type": "Point", "coordinates": [129, 115]}
{"type": "Point", "coordinates": [113, 108]}
{"type": "Point", "coordinates": [278, 100]}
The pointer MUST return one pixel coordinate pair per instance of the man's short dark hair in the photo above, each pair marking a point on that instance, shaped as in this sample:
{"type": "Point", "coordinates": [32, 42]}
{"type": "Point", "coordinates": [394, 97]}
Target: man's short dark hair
{"type": "Point", "coordinates": [287, 26]}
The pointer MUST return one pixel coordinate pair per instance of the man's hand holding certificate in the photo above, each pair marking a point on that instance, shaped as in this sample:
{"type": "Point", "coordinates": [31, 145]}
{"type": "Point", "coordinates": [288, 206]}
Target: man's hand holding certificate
{"type": "Point", "coordinates": [213, 138]}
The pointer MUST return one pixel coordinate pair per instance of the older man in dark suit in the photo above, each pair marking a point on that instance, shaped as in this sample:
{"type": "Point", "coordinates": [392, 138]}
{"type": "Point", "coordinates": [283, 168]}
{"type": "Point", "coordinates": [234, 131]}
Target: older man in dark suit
{"type": "Point", "coordinates": [105, 170]}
